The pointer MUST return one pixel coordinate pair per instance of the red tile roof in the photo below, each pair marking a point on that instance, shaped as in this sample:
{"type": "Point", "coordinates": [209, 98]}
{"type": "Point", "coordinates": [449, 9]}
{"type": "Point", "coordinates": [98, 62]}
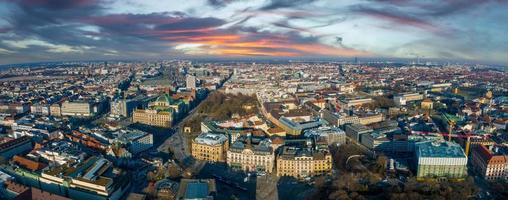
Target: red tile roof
{"type": "Point", "coordinates": [29, 164]}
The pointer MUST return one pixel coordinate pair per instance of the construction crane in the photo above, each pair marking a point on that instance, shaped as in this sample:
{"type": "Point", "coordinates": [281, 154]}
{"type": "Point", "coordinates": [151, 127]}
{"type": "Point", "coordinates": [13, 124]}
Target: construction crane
{"type": "Point", "coordinates": [468, 137]}
{"type": "Point", "coordinates": [468, 140]}
{"type": "Point", "coordinates": [451, 125]}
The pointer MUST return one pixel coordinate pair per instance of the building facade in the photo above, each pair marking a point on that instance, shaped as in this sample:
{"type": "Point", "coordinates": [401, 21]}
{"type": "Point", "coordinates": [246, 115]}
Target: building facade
{"type": "Point", "coordinates": [79, 108]}
{"type": "Point", "coordinates": [303, 162]}
{"type": "Point", "coordinates": [251, 155]}
{"type": "Point", "coordinates": [153, 117]}
{"type": "Point", "coordinates": [190, 82]}
{"type": "Point", "coordinates": [440, 159]}
{"type": "Point", "coordinates": [210, 147]}
{"type": "Point", "coordinates": [491, 162]}
{"type": "Point", "coordinates": [355, 131]}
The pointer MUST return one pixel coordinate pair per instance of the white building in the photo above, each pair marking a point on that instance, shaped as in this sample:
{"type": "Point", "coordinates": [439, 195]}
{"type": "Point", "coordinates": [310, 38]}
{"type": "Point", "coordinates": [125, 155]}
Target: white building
{"type": "Point", "coordinates": [40, 109]}
{"type": "Point", "coordinates": [60, 153]}
{"type": "Point", "coordinates": [440, 159]}
{"type": "Point", "coordinates": [333, 135]}
{"type": "Point", "coordinates": [251, 154]}
{"type": "Point", "coordinates": [190, 82]}
{"type": "Point", "coordinates": [401, 100]}
{"type": "Point", "coordinates": [136, 141]}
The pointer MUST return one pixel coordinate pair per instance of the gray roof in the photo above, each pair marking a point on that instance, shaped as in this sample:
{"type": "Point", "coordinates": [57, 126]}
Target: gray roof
{"type": "Point", "coordinates": [196, 191]}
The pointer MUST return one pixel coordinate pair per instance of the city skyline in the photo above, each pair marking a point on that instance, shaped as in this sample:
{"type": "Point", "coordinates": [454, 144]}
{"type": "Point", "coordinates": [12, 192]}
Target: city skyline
{"type": "Point", "coordinates": [56, 30]}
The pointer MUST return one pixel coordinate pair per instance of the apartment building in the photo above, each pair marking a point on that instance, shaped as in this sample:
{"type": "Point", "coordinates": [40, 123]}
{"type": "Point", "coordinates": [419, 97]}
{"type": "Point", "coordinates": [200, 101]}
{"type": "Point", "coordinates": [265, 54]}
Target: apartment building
{"type": "Point", "coordinates": [491, 162]}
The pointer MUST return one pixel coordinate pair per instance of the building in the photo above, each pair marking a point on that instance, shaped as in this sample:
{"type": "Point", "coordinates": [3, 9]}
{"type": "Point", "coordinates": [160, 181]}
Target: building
{"type": "Point", "coordinates": [159, 118]}
{"type": "Point", "coordinates": [40, 109]}
{"type": "Point", "coordinates": [339, 119]}
{"type": "Point", "coordinates": [190, 82]}
{"type": "Point", "coordinates": [401, 100]}
{"type": "Point", "coordinates": [16, 146]}
{"type": "Point", "coordinates": [277, 131]}
{"type": "Point", "coordinates": [124, 107]}
{"type": "Point", "coordinates": [491, 162]}
{"type": "Point", "coordinates": [81, 108]}
{"type": "Point", "coordinates": [438, 159]}
{"type": "Point", "coordinates": [295, 128]}
{"type": "Point", "coordinates": [21, 192]}
{"type": "Point", "coordinates": [355, 102]}
{"type": "Point", "coordinates": [55, 110]}
{"type": "Point", "coordinates": [438, 87]}
{"type": "Point", "coordinates": [196, 189]}
{"type": "Point", "coordinates": [251, 154]}
{"type": "Point", "coordinates": [332, 135]}
{"type": "Point", "coordinates": [136, 141]}
{"type": "Point", "coordinates": [370, 118]}
{"type": "Point", "coordinates": [355, 131]}
{"type": "Point", "coordinates": [17, 108]}
{"type": "Point", "coordinates": [94, 178]}
{"type": "Point", "coordinates": [427, 104]}
{"type": "Point", "coordinates": [303, 162]}
{"type": "Point", "coordinates": [210, 147]}
{"type": "Point", "coordinates": [375, 140]}
{"type": "Point", "coordinates": [60, 152]}
{"type": "Point", "coordinates": [160, 112]}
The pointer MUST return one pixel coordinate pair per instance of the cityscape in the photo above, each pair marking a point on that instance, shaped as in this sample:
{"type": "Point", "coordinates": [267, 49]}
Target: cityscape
{"type": "Point", "coordinates": [265, 100]}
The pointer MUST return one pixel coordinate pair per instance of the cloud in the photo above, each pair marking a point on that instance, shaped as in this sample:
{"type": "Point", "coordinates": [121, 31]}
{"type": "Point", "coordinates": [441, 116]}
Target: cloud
{"type": "Point", "coordinates": [32, 30]}
{"type": "Point", "coordinates": [398, 17]}
{"type": "Point", "coordinates": [219, 3]}
{"type": "Point", "coordinates": [4, 29]}
{"type": "Point", "coordinates": [5, 51]}
{"type": "Point", "coordinates": [436, 8]}
{"type": "Point", "coordinates": [276, 4]}
{"type": "Point", "coordinates": [28, 43]}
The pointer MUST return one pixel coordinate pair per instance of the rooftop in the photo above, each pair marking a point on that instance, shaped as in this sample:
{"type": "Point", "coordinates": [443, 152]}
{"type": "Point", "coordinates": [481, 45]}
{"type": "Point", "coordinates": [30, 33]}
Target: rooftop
{"type": "Point", "coordinates": [210, 139]}
{"type": "Point", "coordinates": [440, 149]}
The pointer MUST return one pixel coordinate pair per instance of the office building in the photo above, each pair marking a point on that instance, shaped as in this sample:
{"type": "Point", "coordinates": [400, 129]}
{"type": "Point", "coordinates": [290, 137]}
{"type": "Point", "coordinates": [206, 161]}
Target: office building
{"type": "Point", "coordinates": [339, 119]}
{"type": "Point", "coordinates": [296, 128]}
{"type": "Point", "coordinates": [210, 147]}
{"type": "Point", "coordinates": [332, 135]}
{"type": "Point", "coordinates": [303, 162]}
{"type": "Point", "coordinates": [81, 108]}
{"type": "Point", "coordinates": [403, 99]}
{"type": "Point", "coordinates": [355, 131]}
{"type": "Point", "coordinates": [251, 154]}
{"type": "Point", "coordinates": [124, 107]}
{"type": "Point", "coordinates": [94, 178]}
{"type": "Point", "coordinates": [437, 159]}
{"type": "Point", "coordinates": [136, 141]}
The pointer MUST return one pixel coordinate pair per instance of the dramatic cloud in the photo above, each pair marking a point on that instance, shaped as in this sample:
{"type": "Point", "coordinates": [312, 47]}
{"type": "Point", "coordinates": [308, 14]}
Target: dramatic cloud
{"type": "Point", "coordinates": [43, 30]}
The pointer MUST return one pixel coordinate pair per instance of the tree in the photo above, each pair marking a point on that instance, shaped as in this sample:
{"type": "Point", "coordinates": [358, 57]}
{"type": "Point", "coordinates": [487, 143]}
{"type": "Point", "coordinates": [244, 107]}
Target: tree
{"type": "Point", "coordinates": [150, 190]}
{"type": "Point", "coordinates": [173, 172]}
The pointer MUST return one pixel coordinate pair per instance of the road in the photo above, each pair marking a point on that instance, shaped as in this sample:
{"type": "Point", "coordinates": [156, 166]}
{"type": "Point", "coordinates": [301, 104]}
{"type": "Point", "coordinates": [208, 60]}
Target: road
{"type": "Point", "coordinates": [177, 142]}
{"type": "Point", "coordinates": [180, 147]}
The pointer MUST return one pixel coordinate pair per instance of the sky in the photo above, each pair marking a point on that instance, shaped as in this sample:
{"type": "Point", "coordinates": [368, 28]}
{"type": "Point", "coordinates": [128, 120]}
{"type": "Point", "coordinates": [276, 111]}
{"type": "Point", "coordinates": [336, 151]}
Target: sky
{"type": "Point", "coordinates": [60, 30]}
